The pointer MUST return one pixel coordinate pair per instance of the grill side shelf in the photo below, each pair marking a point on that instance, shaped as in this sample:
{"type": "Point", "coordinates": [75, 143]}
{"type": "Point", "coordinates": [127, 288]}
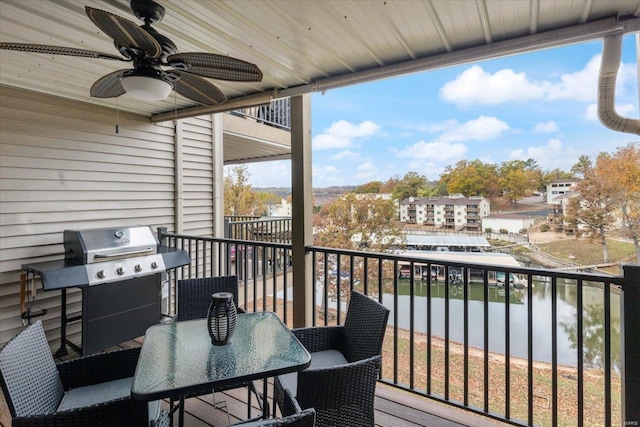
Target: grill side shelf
{"type": "Point", "coordinates": [58, 274]}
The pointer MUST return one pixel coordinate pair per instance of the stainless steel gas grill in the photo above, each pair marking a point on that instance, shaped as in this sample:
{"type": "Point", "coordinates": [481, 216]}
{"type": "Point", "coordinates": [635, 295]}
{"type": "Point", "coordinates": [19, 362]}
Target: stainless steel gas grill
{"type": "Point", "coordinates": [119, 273]}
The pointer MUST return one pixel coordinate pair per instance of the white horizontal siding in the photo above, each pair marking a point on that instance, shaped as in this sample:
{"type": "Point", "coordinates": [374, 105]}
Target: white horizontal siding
{"type": "Point", "coordinates": [63, 166]}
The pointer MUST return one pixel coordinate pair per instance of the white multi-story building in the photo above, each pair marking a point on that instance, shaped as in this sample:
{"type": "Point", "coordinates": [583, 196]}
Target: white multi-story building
{"type": "Point", "coordinates": [558, 187]}
{"type": "Point", "coordinates": [454, 212]}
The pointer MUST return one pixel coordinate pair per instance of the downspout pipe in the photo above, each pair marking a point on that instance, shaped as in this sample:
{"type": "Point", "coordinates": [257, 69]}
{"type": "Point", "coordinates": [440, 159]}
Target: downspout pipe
{"type": "Point", "coordinates": [611, 58]}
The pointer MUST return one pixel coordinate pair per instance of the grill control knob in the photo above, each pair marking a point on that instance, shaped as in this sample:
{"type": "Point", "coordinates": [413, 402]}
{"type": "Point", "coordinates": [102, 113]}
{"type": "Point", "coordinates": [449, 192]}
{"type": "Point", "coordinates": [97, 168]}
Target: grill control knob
{"type": "Point", "coordinates": [101, 274]}
{"type": "Point", "coordinates": [154, 265]}
{"type": "Point", "coordinates": [138, 268]}
{"type": "Point", "coordinates": [120, 271]}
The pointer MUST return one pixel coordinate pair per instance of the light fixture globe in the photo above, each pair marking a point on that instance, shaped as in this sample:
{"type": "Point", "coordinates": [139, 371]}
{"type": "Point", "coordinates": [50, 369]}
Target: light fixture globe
{"type": "Point", "coordinates": [146, 87]}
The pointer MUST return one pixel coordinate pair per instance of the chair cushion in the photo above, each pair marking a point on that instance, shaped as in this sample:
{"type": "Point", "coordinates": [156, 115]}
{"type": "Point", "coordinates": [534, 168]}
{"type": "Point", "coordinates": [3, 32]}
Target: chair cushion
{"type": "Point", "coordinates": [319, 359]}
{"type": "Point", "coordinates": [104, 392]}
{"type": "Point", "coordinates": [94, 394]}
{"type": "Point", "coordinates": [30, 374]}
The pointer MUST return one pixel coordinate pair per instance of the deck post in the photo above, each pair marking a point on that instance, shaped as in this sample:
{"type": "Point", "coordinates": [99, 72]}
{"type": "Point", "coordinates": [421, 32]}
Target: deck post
{"type": "Point", "coordinates": [631, 346]}
{"type": "Point", "coordinates": [301, 209]}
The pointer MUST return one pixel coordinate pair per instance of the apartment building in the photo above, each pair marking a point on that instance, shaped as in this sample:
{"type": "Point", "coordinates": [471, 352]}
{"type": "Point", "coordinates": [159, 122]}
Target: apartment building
{"type": "Point", "coordinates": [557, 188]}
{"type": "Point", "coordinates": [453, 212]}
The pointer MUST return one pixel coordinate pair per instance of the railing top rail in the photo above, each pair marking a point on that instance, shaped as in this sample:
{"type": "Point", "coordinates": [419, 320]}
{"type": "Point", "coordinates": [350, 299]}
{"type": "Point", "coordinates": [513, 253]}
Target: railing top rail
{"type": "Point", "coordinates": [258, 221]}
{"type": "Point", "coordinates": [613, 280]}
{"type": "Point", "coordinates": [231, 241]}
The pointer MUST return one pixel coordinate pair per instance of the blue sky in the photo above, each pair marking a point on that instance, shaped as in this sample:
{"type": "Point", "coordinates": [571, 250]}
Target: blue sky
{"type": "Point", "coordinates": [539, 105]}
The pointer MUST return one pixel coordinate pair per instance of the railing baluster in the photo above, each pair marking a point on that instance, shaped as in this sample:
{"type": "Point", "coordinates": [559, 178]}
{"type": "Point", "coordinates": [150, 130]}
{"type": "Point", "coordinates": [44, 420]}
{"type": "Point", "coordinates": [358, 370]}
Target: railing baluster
{"type": "Point", "coordinates": [465, 302]}
{"type": "Point", "coordinates": [530, 349]}
{"type": "Point", "coordinates": [507, 346]}
{"type": "Point", "coordinates": [412, 292]}
{"type": "Point", "coordinates": [485, 308]}
{"type": "Point", "coordinates": [429, 319]}
{"type": "Point", "coordinates": [554, 351]}
{"type": "Point", "coordinates": [395, 321]}
{"type": "Point", "coordinates": [607, 353]}
{"type": "Point", "coordinates": [447, 282]}
{"type": "Point", "coordinates": [580, 351]}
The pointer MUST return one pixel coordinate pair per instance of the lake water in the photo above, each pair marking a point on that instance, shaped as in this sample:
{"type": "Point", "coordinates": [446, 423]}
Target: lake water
{"type": "Point", "coordinates": [593, 311]}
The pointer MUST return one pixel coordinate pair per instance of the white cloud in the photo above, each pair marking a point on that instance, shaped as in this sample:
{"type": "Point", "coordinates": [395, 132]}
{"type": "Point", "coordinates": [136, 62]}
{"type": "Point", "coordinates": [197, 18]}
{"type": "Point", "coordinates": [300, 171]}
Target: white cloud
{"type": "Point", "coordinates": [580, 85]}
{"type": "Point", "coordinates": [270, 174]}
{"type": "Point", "coordinates": [546, 127]}
{"type": "Point", "coordinates": [366, 172]}
{"type": "Point", "coordinates": [327, 176]}
{"type": "Point", "coordinates": [437, 150]}
{"type": "Point", "coordinates": [341, 134]}
{"type": "Point", "coordinates": [550, 156]}
{"type": "Point", "coordinates": [476, 86]}
{"type": "Point", "coordinates": [479, 129]}
{"type": "Point", "coordinates": [346, 154]}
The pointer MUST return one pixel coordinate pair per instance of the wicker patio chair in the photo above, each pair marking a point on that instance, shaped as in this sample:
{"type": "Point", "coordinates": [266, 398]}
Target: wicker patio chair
{"type": "Point", "coordinates": [194, 296]}
{"type": "Point", "coordinates": [88, 391]}
{"type": "Point", "coordinates": [345, 363]}
{"type": "Point", "coordinates": [298, 417]}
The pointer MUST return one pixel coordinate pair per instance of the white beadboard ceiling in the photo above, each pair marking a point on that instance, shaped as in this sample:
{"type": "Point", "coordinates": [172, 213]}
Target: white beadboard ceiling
{"type": "Point", "coordinates": [300, 45]}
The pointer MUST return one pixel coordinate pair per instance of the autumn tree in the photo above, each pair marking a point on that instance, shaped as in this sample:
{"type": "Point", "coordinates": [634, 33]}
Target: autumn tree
{"type": "Point", "coordinates": [519, 178]}
{"type": "Point", "coordinates": [357, 223]}
{"type": "Point", "coordinates": [624, 168]}
{"type": "Point", "coordinates": [369, 187]}
{"type": "Point", "coordinates": [411, 185]}
{"type": "Point", "coordinates": [239, 198]}
{"type": "Point", "coordinates": [471, 178]}
{"type": "Point", "coordinates": [595, 206]}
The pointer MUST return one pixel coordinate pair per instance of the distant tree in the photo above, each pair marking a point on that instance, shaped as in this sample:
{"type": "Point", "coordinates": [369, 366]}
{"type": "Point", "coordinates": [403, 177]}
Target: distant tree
{"type": "Point", "coordinates": [582, 167]}
{"type": "Point", "coordinates": [355, 223]}
{"type": "Point", "coordinates": [239, 198]}
{"type": "Point", "coordinates": [411, 185]}
{"type": "Point", "coordinates": [596, 204]}
{"type": "Point", "coordinates": [389, 185]}
{"type": "Point", "coordinates": [519, 178]}
{"type": "Point", "coordinates": [624, 167]}
{"type": "Point", "coordinates": [369, 187]}
{"type": "Point", "coordinates": [471, 178]}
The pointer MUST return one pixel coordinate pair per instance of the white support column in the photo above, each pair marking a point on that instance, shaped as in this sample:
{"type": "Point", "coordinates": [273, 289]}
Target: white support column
{"type": "Point", "coordinates": [179, 179]}
{"type": "Point", "coordinates": [302, 209]}
{"type": "Point", "coordinates": [218, 183]}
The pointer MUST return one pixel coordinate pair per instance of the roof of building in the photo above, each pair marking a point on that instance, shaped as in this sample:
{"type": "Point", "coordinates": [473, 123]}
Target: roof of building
{"type": "Point", "coordinates": [473, 200]}
{"type": "Point", "coordinates": [493, 259]}
{"type": "Point", "coordinates": [516, 216]}
{"type": "Point", "coordinates": [553, 181]}
{"type": "Point", "coordinates": [462, 241]}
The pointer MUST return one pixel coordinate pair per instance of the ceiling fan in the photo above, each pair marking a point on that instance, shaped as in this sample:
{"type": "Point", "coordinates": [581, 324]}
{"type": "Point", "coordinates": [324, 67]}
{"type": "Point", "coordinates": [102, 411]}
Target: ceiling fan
{"type": "Point", "coordinates": [151, 53]}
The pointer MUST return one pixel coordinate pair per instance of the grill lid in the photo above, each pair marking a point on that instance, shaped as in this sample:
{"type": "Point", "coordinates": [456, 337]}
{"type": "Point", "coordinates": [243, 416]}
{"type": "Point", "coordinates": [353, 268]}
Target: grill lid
{"type": "Point", "coordinates": [108, 244]}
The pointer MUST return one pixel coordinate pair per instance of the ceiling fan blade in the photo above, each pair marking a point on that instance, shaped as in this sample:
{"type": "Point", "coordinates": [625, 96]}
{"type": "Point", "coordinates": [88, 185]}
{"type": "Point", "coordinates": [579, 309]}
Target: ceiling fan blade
{"type": "Point", "coordinates": [214, 66]}
{"type": "Point", "coordinates": [124, 32]}
{"type": "Point", "coordinates": [198, 89]}
{"type": "Point", "coordinates": [109, 86]}
{"type": "Point", "coordinates": [59, 50]}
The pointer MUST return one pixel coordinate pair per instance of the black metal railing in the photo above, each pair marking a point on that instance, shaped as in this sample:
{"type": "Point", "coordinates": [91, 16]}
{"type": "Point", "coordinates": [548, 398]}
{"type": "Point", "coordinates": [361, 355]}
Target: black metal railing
{"type": "Point", "coordinates": [526, 346]}
{"type": "Point", "coordinates": [269, 229]}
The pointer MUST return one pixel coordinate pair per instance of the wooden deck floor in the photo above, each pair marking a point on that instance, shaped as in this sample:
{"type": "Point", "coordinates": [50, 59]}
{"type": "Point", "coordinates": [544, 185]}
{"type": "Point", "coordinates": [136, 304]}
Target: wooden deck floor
{"type": "Point", "coordinates": [394, 408]}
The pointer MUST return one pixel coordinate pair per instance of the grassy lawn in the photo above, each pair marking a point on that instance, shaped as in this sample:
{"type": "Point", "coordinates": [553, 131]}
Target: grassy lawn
{"type": "Point", "coordinates": [518, 399]}
{"type": "Point", "coordinates": [585, 252]}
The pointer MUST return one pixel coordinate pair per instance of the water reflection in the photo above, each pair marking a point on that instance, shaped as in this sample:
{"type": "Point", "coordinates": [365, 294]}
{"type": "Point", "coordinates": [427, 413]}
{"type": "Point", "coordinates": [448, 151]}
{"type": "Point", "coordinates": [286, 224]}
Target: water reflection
{"type": "Point", "coordinates": [542, 325]}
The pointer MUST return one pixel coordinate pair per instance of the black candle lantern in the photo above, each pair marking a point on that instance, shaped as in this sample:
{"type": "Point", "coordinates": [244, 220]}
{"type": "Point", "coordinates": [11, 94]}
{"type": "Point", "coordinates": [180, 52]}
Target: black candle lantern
{"type": "Point", "coordinates": [221, 318]}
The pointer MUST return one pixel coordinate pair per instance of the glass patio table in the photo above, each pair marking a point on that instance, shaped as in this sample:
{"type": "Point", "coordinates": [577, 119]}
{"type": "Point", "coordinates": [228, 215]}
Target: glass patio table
{"type": "Point", "coordinates": [177, 359]}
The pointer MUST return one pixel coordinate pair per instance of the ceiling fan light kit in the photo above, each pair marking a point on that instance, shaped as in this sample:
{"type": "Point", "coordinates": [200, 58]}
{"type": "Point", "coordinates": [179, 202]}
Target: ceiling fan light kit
{"type": "Point", "coordinates": [148, 88]}
{"type": "Point", "coordinates": [151, 53]}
